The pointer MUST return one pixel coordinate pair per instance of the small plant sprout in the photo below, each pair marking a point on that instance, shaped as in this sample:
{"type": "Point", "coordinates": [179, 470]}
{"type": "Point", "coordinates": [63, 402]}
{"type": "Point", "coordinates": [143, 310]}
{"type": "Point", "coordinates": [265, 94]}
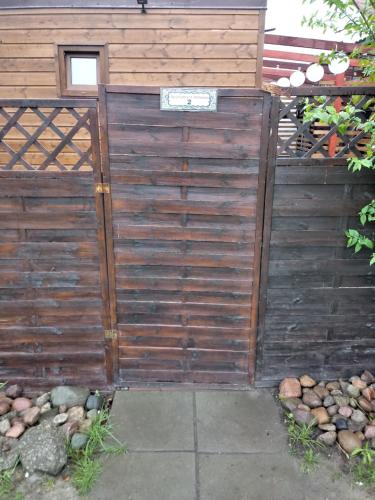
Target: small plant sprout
{"type": "Point", "coordinates": [86, 466]}
{"type": "Point", "coordinates": [301, 436]}
{"type": "Point", "coordinates": [6, 482]}
{"type": "Point", "coordinates": [364, 470]}
{"type": "Point", "coordinates": [310, 461]}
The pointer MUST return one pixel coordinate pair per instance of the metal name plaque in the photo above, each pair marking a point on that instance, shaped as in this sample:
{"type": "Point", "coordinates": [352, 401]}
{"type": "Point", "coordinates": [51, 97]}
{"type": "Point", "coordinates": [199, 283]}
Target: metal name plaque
{"type": "Point", "coordinates": [188, 99]}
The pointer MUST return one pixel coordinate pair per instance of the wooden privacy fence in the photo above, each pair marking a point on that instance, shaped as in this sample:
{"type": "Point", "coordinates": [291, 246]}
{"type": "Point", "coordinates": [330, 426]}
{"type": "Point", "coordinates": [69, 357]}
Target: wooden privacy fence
{"type": "Point", "coordinates": [162, 256]}
{"type": "Point", "coordinates": [187, 195]}
{"type": "Point", "coordinates": [52, 314]}
{"type": "Point", "coordinates": [317, 298]}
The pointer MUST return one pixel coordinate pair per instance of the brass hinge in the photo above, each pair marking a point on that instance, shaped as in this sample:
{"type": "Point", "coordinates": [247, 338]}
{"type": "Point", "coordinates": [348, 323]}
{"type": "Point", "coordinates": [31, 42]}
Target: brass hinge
{"type": "Point", "coordinates": [110, 334]}
{"type": "Point", "coordinates": [103, 188]}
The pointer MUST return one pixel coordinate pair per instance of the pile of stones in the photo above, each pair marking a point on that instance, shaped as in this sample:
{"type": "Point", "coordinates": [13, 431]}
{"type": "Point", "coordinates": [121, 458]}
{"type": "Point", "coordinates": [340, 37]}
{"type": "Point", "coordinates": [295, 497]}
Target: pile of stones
{"type": "Point", "coordinates": [36, 431]}
{"type": "Point", "coordinates": [343, 411]}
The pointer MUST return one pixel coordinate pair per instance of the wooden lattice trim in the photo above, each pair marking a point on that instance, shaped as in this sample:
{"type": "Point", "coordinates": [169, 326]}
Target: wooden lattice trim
{"type": "Point", "coordinates": [28, 141]}
{"type": "Point", "coordinates": [298, 139]}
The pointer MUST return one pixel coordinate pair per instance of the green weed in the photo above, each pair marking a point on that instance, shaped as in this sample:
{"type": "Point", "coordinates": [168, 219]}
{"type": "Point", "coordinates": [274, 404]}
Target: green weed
{"type": "Point", "coordinates": [301, 436]}
{"type": "Point", "coordinates": [86, 466]}
{"type": "Point", "coordinates": [6, 482]}
{"type": "Point", "coordinates": [310, 461]}
{"type": "Point", "coordinates": [364, 471]}
{"type": "Point", "coordinates": [85, 473]}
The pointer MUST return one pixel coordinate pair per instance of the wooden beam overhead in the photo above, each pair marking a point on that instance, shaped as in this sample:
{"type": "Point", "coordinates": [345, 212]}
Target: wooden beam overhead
{"type": "Point", "coordinates": [309, 43]}
{"type": "Point", "coordinates": [128, 4]}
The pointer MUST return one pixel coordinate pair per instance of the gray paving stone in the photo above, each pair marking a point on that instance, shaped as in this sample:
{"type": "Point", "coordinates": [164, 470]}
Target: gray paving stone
{"type": "Point", "coordinates": [269, 476]}
{"type": "Point", "coordinates": [239, 422]}
{"type": "Point", "coordinates": [147, 476]}
{"type": "Point", "coordinates": [154, 420]}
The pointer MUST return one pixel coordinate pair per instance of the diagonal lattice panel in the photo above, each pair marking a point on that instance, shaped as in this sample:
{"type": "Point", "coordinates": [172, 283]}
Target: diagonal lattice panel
{"type": "Point", "coordinates": [40, 138]}
{"type": "Point", "coordinates": [299, 139]}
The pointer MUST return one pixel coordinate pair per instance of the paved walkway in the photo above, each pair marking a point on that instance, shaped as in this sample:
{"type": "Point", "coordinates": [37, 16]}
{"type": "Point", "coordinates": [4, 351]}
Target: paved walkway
{"type": "Point", "coordinates": [210, 445]}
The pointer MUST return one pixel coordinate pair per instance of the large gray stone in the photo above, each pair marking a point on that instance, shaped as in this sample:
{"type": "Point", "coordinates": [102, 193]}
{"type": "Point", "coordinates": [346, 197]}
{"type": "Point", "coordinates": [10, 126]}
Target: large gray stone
{"type": "Point", "coordinates": [43, 449]}
{"type": "Point", "coordinates": [69, 396]}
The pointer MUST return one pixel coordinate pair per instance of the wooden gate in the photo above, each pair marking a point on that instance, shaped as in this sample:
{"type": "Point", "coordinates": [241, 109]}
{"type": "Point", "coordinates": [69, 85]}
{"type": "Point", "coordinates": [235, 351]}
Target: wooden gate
{"type": "Point", "coordinates": [186, 203]}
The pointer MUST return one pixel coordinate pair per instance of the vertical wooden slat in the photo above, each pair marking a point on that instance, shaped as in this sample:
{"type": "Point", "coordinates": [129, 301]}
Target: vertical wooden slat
{"type": "Point", "coordinates": [100, 210]}
{"type": "Point", "coordinates": [267, 223]}
{"type": "Point", "coordinates": [263, 161]}
{"type": "Point", "coordinates": [111, 343]}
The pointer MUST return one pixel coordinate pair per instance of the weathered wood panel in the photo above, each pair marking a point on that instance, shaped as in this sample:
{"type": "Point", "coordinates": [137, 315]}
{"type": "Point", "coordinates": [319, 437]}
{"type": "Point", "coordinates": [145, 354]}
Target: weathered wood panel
{"type": "Point", "coordinates": [185, 189]}
{"type": "Point", "coordinates": [52, 307]}
{"type": "Point", "coordinates": [318, 297]}
{"type": "Point", "coordinates": [171, 47]}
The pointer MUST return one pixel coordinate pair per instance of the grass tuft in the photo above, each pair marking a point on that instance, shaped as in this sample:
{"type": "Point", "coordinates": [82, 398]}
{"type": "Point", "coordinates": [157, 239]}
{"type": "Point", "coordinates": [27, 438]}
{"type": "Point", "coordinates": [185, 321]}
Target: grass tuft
{"type": "Point", "coordinates": [310, 461]}
{"type": "Point", "coordinates": [303, 443]}
{"type": "Point", "coordinates": [363, 471]}
{"type": "Point", "coordinates": [6, 482]}
{"type": "Point", "coordinates": [86, 467]}
{"type": "Point", "coordinates": [301, 436]}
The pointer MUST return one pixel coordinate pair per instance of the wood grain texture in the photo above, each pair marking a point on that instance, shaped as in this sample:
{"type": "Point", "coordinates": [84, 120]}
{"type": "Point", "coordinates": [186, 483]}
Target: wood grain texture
{"type": "Point", "coordinates": [184, 202]}
{"type": "Point", "coordinates": [52, 285]}
{"type": "Point", "coordinates": [181, 47]}
{"type": "Point", "coordinates": [317, 297]}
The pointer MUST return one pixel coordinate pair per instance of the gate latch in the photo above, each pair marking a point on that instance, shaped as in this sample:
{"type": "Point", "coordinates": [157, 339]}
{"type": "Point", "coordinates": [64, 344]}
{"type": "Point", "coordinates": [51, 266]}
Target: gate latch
{"type": "Point", "coordinates": [102, 188]}
{"type": "Point", "coordinates": [110, 334]}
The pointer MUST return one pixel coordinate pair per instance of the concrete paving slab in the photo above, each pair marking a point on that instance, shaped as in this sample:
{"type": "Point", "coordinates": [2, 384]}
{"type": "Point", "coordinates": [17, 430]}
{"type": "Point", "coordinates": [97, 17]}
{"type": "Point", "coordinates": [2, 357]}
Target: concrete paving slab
{"type": "Point", "coordinates": [234, 421]}
{"type": "Point", "coordinates": [147, 476]}
{"type": "Point", "coordinates": [152, 421]}
{"type": "Point", "coordinates": [268, 477]}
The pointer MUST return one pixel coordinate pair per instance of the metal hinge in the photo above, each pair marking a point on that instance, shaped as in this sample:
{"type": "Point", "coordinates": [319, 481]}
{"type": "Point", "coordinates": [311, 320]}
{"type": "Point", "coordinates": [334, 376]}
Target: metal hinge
{"type": "Point", "coordinates": [102, 188]}
{"type": "Point", "coordinates": [110, 334]}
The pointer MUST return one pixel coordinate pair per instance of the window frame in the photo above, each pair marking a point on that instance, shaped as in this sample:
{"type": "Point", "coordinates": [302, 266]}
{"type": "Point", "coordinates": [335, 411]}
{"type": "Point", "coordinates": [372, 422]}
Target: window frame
{"type": "Point", "coordinates": [65, 53]}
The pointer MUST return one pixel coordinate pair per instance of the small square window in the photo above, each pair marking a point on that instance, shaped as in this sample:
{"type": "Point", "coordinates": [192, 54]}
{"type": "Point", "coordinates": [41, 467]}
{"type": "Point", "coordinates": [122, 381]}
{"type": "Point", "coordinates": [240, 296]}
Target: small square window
{"type": "Point", "coordinates": [81, 68]}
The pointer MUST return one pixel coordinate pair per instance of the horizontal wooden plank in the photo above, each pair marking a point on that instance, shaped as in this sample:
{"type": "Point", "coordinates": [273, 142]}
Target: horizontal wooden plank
{"type": "Point", "coordinates": [188, 5]}
{"type": "Point", "coordinates": [196, 273]}
{"type": "Point", "coordinates": [224, 321]}
{"type": "Point", "coordinates": [65, 184]}
{"type": "Point", "coordinates": [53, 251]}
{"type": "Point", "coordinates": [317, 208]}
{"type": "Point", "coordinates": [184, 79]}
{"type": "Point", "coordinates": [241, 102]}
{"type": "Point", "coordinates": [43, 24]}
{"type": "Point", "coordinates": [185, 207]}
{"type": "Point", "coordinates": [15, 279]}
{"type": "Point", "coordinates": [156, 178]}
{"type": "Point", "coordinates": [129, 65]}
{"type": "Point", "coordinates": [173, 133]}
{"type": "Point", "coordinates": [178, 259]}
{"type": "Point", "coordinates": [180, 234]}
{"type": "Point", "coordinates": [120, 148]}
{"type": "Point", "coordinates": [52, 334]}
{"type": "Point", "coordinates": [43, 220]}
{"type": "Point", "coordinates": [27, 64]}
{"type": "Point", "coordinates": [203, 377]}
{"type": "Point", "coordinates": [38, 79]}
{"type": "Point", "coordinates": [158, 50]}
{"type": "Point", "coordinates": [321, 300]}
{"type": "Point", "coordinates": [120, 113]}
{"type": "Point", "coordinates": [178, 296]}
{"type": "Point", "coordinates": [315, 174]}
{"type": "Point", "coordinates": [25, 92]}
